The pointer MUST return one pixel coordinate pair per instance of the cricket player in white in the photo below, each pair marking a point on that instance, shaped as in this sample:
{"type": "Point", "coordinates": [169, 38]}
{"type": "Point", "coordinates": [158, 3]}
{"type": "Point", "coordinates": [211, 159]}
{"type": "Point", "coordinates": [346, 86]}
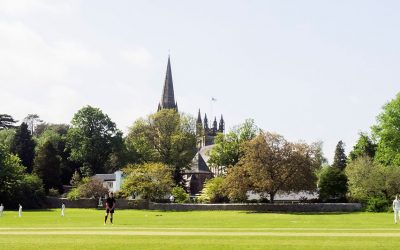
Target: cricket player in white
{"type": "Point", "coordinates": [62, 209]}
{"type": "Point", "coordinates": [396, 209]}
{"type": "Point", "coordinates": [20, 211]}
{"type": "Point", "coordinates": [1, 209]}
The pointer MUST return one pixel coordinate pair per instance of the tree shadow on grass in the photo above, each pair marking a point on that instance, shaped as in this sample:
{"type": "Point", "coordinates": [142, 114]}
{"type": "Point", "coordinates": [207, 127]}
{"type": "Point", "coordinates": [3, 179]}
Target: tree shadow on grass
{"type": "Point", "coordinates": [299, 213]}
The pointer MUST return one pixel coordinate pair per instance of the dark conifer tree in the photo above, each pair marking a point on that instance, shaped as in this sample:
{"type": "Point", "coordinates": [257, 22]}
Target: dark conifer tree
{"type": "Point", "coordinates": [47, 166]}
{"type": "Point", "coordinates": [24, 146]}
{"type": "Point", "coordinates": [340, 159]}
{"type": "Point", "coordinates": [6, 121]}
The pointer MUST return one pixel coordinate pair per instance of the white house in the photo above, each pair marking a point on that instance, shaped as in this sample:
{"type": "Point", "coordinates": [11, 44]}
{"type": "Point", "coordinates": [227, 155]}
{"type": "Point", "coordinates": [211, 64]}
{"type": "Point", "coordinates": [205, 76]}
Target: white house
{"type": "Point", "coordinates": [111, 181]}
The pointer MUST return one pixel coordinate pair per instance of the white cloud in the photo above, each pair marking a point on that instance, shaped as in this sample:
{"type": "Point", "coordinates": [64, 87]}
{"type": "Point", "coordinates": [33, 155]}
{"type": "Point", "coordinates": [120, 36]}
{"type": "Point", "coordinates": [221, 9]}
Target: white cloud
{"type": "Point", "coordinates": [26, 58]}
{"type": "Point", "coordinates": [38, 76]}
{"type": "Point", "coordinates": [137, 56]}
{"type": "Point", "coordinates": [20, 8]}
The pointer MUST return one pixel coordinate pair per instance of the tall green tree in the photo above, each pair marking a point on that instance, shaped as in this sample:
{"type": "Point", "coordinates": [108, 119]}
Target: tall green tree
{"type": "Point", "coordinates": [271, 164]}
{"type": "Point", "coordinates": [47, 167]}
{"type": "Point", "coordinates": [150, 181]}
{"type": "Point", "coordinates": [167, 137]}
{"type": "Point", "coordinates": [227, 150]}
{"type": "Point", "coordinates": [6, 121]}
{"type": "Point", "coordinates": [365, 178]}
{"type": "Point", "coordinates": [332, 184]}
{"type": "Point", "coordinates": [15, 185]}
{"type": "Point", "coordinates": [57, 135]}
{"type": "Point", "coordinates": [387, 134]}
{"type": "Point", "coordinates": [91, 139]}
{"type": "Point", "coordinates": [364, 147]}
{"type": "Point", "coordinates": [6, 138]}
{"type": "Point", "coordinates": [340, 158]}
{"type": "Point", "coordinates": [32, 120]}
{"type": "Point", "coordinates": [24, 146]}
{"type": "Point", "coordinates": [11, 175]}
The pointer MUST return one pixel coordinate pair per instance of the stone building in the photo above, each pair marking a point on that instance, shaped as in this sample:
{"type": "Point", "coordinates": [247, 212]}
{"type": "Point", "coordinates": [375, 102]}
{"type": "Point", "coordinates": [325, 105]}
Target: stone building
{"type": "Point", "coordinates": [112, 182]}
{"type": "Point", "coordinates": [199, 170]}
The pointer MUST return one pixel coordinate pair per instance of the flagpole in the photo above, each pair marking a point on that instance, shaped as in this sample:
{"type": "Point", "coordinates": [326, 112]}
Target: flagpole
{"type": "Point", "coordinates": [212, 109]}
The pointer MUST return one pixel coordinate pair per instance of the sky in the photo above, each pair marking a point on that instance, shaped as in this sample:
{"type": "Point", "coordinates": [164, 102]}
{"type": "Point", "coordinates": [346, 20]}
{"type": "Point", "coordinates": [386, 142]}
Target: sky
{"type": "Point", "coordinates": [308, 70]}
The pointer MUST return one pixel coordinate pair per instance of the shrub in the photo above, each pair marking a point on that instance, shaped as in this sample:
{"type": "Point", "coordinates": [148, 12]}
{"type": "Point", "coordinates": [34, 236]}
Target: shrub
{"type": "Point", "coordinates": [53, 192]}
{"type": "Point", "coordinates": [213, 191]}
{"type": "Point", "coordinates": [73, 194]}
{"type": "Point", "coordinates": [377, 204]}
{"type": "Point", "coordinates": [92, 188]}
{"type": "Point", "coordinates": [31, 192]}
{"type": "Point", "coordinates": [180, 195]}
{"type": "Point", "coordinates": [88, 188]}
{"type": "Point", "coordinates": [75, 179]}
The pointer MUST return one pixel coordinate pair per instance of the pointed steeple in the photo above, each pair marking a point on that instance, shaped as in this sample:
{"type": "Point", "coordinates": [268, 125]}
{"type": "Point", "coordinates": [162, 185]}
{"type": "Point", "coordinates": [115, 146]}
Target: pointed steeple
{"type": "Point", "coordinates": [199, 121]}
{"type": "Point", "coordinates": [168, 98]}
{"type": "Point", "coordinates": [215, 125]}
{"type": "Point", "coordinates": [221, 128]}
{"type": "Point", "coordinates": [205, 122]}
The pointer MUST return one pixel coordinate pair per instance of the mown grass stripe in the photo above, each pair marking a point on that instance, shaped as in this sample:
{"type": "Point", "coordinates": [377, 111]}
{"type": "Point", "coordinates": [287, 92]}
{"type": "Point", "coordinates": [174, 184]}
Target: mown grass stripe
{"type": "Point", "coordinates": [166, 233]}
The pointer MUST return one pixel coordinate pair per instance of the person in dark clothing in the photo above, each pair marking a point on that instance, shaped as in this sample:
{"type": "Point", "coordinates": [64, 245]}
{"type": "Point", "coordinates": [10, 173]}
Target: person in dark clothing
{"type": "Point", "coordinates": [110, 206]}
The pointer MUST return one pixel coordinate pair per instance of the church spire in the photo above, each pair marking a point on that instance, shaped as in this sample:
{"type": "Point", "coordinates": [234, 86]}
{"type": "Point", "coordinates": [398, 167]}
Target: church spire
{"type": "Point", "coordinates": [205, 123]}
{"type": "Point", "coordinates": [215, 125]}
{"type": "Point", "coordinates": [221, 128]}
{"type": "Point", "coordinates": [199, 121]}
{"type": "Point", "coordinates": [168, 98]}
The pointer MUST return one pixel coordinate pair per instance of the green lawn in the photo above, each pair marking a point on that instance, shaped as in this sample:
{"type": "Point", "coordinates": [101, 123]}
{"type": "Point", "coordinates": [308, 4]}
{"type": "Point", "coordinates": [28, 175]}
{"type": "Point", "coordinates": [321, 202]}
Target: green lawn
{"type": "Point", "coordinates": [141, 229]}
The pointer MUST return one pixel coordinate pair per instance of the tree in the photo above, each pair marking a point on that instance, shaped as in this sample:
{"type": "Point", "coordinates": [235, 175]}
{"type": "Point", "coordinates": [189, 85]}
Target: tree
{"type": "Point", "coordinates": [91, 139]}
{"type": "Point", "coordinates": [47, 167]}
{"type": "Point", "coordinates": [332, 184]}
{"type": "Point", "coordinates": [213, 191]}
{"type": "Point", "coordinates": [386, 133]}
{"type": "Point", "coordinates": [167, 137]}
{"type": "Point", "coordinates": [272, 164]}
{"type": "Point", "coordinates": [11, 175]}
{"type": "Point", "coordinates": [340, 158]}
{"type": "Point", "coordinates": [227, 149]}
{"type": "Point", "coordinates": [6, 121]}
{"type": "Point", "coordinates": [365, 178]}
{"type": "Point", "coordinates": [15, 185]}
{"type": "Point", "coordinates": [61, 129]}
{"type": "Point", "coordinates": [363, 147]}
{"type": "Point", "coordinates": [32, 120]}
{"type": "Point", "coordinates": [57, 135]}
{"type": "Point", "coordinates": [24, 146]}
{"type": "Point", "coordinates": [236, 184]}
{"type": "Point", "coordinates": [6, 138]}
{"type": "Point", "coordinates": [149, 180]}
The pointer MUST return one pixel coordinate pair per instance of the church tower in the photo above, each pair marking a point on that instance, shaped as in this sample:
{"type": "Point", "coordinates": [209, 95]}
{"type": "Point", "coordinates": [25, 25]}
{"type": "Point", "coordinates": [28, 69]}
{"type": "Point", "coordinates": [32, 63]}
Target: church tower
{"type": "Point", "coordinates": [205, 133]}
{"type": "Point", "coordinates": [168, 97]}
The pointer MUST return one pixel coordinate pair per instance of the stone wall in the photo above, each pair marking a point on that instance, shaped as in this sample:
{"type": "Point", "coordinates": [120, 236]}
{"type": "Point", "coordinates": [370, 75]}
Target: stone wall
{"type": "Point", "coordinates": [52, 202]}
{"type": "Point", "coordinates": [298, 207]}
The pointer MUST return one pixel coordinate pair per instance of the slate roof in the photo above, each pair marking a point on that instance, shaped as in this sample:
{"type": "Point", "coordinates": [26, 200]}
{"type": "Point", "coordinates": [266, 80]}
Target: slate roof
{"type": "Point", "coordinates": [105, 177]}
{"type": "Point", "coordinates": [199, 163]}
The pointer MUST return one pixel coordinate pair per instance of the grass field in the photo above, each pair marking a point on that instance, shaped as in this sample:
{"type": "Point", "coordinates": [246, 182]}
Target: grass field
{"type": "Point", "coordinates": [141, 229]}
